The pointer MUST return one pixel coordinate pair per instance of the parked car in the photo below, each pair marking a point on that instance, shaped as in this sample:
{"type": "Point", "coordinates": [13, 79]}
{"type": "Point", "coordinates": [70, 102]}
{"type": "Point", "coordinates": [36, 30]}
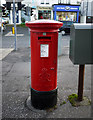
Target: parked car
{"type": "Point", "coordinates": [2, 25]}
{"type": "Point", "coordinates": [66, 27]}
{"type": "Point", "coordinates": [5, 21]}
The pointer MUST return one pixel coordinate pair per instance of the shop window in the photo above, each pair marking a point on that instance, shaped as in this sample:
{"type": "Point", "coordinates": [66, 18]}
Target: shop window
{"type": "Point", "coordinates": [66, 16]}
{"type": "Point", "coordinates": [63, 1]}
{"type": "Point", "coordinates": [47, 1]}
{"type": "Point", "coordinates": [44, 14]}
{"type": "Point", "coordinates": [42, 1]}
{"type": "Point", "coordinates": [59, 1]}
{"type": "Point", "coordinates": [68, 1]}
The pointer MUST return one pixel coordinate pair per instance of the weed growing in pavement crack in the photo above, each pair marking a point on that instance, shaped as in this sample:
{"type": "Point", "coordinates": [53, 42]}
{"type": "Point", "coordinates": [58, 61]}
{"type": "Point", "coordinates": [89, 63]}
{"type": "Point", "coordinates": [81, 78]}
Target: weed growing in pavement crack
{"type": "Point", "coordinates": [64, 102]}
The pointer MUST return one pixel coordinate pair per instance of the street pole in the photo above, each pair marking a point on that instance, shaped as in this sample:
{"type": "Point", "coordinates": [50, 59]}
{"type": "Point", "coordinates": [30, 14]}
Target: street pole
{"type": "Point", "coordinates": [29, 14]}
{"type": "Point", "coordinates": [14, 10]}
{"type": "Point", "coordinates": [1, 24]}
{"type": "Point", "coordinates": [81, 82]}
{"type": "Point", "coordinates": [1, 28]}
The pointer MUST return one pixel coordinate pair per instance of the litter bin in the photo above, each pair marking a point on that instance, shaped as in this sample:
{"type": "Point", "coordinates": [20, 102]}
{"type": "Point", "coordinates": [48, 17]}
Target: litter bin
{"type": "Point", "coordinates": [44, 44]}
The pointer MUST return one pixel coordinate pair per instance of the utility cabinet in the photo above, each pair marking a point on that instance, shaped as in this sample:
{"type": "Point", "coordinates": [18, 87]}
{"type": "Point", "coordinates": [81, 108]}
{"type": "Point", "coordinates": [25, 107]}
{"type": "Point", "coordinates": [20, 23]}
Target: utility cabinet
{"type": "Point", "coordinates": [81, 44]}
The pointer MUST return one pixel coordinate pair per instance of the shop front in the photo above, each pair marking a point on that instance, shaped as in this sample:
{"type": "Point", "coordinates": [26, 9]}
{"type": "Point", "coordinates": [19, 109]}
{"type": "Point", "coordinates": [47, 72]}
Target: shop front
{"type": "Point", "coordinates": [66, 12]}
{"type": "Point", "coordinates": [44, 12]}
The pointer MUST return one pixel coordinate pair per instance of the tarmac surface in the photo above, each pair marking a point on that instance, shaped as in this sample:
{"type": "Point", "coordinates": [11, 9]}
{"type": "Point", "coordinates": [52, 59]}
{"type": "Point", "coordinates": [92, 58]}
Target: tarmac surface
{"type": "Point", "coordinates": [16, 77]}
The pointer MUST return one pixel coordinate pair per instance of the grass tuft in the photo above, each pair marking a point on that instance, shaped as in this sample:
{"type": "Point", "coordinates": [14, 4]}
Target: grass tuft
{"type": "Point", "coordinates": [64, 102]}
{"type": "Point", "coordinates": [73, 98]}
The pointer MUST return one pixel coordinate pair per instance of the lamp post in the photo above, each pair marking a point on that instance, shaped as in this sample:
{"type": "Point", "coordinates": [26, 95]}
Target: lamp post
{"type": "Point", "coordinates": [14, 10]}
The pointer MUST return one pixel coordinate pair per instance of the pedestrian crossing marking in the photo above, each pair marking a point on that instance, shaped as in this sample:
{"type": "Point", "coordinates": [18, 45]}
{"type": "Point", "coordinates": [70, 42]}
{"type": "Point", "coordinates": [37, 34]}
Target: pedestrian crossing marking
{"type": "Point", "coordinates": [10, 34]}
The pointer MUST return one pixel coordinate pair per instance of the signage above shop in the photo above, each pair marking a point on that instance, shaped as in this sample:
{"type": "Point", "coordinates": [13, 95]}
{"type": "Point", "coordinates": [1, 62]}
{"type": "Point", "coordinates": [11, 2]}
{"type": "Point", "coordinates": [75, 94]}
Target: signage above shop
{"type": "Point", "coordinates": [66, 8]}
{"type": "Point", "coordinates": [44, 8]}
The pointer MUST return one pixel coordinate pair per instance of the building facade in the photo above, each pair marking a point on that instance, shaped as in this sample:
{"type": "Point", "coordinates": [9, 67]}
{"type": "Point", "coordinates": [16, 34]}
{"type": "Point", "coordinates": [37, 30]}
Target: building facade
{"type": "Point", "coordinates": [29, 4]}
{"type": "Point", "coordinates": [45, 9]}
{"type": "Point", "coordinates": [87, 11]}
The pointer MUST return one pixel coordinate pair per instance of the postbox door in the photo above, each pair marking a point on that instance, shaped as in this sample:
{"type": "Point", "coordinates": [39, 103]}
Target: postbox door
{"type": "Point", "coordinates": [48, 63]}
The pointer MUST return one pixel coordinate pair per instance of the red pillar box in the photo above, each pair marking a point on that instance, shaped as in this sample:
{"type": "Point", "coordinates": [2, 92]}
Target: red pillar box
{"type": "Point", "coordinates": [44, 44]}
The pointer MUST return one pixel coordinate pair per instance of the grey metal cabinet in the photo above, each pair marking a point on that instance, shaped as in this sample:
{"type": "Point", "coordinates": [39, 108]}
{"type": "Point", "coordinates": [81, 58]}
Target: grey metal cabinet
{"type": "Point", "coordinates": [81, 44]}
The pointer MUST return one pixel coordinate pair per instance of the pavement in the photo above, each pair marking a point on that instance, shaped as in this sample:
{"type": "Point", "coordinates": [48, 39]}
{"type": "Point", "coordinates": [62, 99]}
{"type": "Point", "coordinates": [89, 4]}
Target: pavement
{"type": "Point", "coordinates": [16, 79]}
{"type": "Point", "coordinates": [5, 52]}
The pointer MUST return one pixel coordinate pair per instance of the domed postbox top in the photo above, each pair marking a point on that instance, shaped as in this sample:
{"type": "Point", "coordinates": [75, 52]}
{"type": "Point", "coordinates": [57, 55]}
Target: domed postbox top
{"type": "Point", "coordinates": [44, 25]}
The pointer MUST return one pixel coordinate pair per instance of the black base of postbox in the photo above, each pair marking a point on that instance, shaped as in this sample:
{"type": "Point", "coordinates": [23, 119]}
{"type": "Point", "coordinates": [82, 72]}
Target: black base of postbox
{"type": "Point", "coordinates": [43, 100]}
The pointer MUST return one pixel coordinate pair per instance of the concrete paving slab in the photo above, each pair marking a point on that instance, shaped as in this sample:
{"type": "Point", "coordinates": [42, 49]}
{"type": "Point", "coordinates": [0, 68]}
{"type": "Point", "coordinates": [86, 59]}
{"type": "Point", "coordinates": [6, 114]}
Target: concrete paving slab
{"type": "Point", "coordinates": [20, 69]}
{"type": "Point", "coordinates": [0, 99]}
{"type": "Point", "coordinates": [0, 86]}
{"type": "Point", "coordinates": [5, 52]}
{"type": "Point", "coordinates": [14, 104]}
{"type": "Point", "coordinates": [15, 84]}
{"type": "Point", "coordinates": [21, 55]}
{"type": "Point", "coordinates": [6, 67]}
{"type": "Point", "coordinates": [14, 107]}
{"type": "Point", "coordinates": [0, 70]}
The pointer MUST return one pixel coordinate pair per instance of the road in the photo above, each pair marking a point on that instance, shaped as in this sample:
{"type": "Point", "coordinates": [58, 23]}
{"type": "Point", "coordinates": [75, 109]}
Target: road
{"type": "Point", "coordinates": [23, 38]}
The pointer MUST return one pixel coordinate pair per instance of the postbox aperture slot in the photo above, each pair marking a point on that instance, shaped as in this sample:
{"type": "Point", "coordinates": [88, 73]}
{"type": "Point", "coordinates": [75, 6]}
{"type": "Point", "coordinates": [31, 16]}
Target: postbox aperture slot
{"type": "Point", "coordinates": [44, 38]}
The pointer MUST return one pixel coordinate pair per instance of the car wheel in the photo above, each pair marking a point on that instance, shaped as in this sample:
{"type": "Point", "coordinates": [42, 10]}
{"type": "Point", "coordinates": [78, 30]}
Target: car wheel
{"type": "Point", "coordinates": [63, 32]}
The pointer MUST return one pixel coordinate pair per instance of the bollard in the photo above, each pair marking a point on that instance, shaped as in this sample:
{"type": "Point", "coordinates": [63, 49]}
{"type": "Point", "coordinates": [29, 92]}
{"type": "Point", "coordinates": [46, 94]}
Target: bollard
{"type": "Point", "coordinates": [13, 30]}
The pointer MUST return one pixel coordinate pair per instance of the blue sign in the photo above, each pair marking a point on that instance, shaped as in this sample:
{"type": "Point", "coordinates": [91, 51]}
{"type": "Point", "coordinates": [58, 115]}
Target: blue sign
{"type": "Point", "coordinates": [66, 8]}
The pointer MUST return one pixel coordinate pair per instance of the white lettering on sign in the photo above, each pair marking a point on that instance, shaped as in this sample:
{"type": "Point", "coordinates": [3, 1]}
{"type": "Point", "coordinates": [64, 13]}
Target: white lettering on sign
{"type": "Point", "coordinates": [44, 50]}
{"type": "Point", "coordinates": [60, 7]}
{"type": "Point", "coordinates": [67, 8]}
{"type": "Point", "coordinates": [74, 8]}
